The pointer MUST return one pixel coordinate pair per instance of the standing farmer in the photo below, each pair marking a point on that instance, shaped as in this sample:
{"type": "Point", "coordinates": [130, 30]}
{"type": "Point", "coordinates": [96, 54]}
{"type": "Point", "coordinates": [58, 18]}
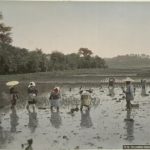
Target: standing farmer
{"type": "Point", "coordinates": [143, 85]}
{"type": "Point", "coordinates": [32, 91]}
{"type": "Point", "coordinates": [55, 98]}
{"type": "Point", "coordinates": [13, 92]}
{"type": "Point", "coordinates": [129, 92]}
{"type": "Point", "coordinates": [111, 86]}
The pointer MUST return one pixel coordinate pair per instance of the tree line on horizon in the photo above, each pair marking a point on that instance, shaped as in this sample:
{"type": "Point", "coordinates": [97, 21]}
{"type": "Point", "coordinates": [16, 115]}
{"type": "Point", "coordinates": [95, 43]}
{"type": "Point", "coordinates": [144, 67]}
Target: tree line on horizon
{"type": "Point", "coordinates": [129, 61]}
{"type": "Point", "coordinates": [21, 60]}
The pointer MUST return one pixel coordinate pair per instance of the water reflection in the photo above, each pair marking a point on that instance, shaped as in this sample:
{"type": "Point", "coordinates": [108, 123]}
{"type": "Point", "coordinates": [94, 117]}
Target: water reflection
{"type": "Point", "coordinates": [111, 91]}
{"type": "Point", "coordinates": [13, 120]}
{"type": "Point", "coordinates": [33, 121]}
{"type": "Point", "coordinates": [143, 92]}
{"type": "Point", "coordinates": [3, 136]}
{"type": "Point", "coordinates": [129, 124]}
{"type": "Point", "coordinates": [55, 119]}
{"type": "Point", "coordinates": [86, 119]}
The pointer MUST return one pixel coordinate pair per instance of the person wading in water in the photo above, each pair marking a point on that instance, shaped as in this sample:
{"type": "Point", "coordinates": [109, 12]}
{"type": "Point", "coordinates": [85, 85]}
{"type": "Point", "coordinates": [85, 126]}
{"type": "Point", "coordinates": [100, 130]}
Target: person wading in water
{"type": "Point", "coordinates": [55, 98]}
{"type": "Point", "coordinates": [32, 92]}
{"type": "Point", "coordinates": [129, 92]}
{"type": "Point", "coordinates": [13, 96]}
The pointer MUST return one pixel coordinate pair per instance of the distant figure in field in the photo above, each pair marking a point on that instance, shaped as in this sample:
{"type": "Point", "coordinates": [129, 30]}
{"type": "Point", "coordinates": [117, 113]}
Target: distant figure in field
{"type": "Point", "coordinates": [29, 145]}
{"type": "Point", "coordinates": [13, 96]}
{"type": "Point", "coordinates": [143, 86]}
{"type": "Point", "coordinates": [111, 86]}
{"type": "Point", "coordinates": [32, 92]}
{"type": "Point", "coordinates": [134, 90]}
{"type": "Point", "coordinates": [70, 89]}
{"type": "Point", "coordinates": [55, 98]}
{"type": "Point", "coordinates": [129, 92]}
{"type": "Point", "coordinates": [81, 87]}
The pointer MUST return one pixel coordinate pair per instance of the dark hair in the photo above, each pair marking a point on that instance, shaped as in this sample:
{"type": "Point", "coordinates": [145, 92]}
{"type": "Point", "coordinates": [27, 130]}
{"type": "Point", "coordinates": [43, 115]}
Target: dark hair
{"type": "Point", "coordinates": [128, 82]}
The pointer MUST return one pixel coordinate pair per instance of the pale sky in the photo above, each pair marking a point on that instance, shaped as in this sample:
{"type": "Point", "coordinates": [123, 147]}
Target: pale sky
{"type": "Point", "coordinates": [107, 28]}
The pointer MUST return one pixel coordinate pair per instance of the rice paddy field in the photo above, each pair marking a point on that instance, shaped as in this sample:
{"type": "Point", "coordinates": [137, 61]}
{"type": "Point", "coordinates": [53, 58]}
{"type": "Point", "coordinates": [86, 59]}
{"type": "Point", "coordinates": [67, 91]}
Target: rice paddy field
{"type": "Point", "coordinates": [107, 125]}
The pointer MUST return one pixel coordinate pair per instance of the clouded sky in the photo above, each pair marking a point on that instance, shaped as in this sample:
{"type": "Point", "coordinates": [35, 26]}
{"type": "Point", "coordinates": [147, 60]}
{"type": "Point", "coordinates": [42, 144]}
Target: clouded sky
{"type": "Point", "coordinates": [107, 28]}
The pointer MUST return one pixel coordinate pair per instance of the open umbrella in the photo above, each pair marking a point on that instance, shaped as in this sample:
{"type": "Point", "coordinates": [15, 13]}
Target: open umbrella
{"type": "Point", "coordinates": [12, 83]}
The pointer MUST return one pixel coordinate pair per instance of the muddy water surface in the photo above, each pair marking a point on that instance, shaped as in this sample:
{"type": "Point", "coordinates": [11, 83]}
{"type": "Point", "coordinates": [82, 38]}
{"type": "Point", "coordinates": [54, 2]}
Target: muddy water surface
{"type": "Point", "coordinates": [106, 125]}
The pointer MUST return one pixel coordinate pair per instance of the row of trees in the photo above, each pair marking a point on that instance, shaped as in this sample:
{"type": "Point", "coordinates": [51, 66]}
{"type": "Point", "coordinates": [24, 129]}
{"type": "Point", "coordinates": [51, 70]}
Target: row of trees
{"type": "Point", "coordinates": [82, 59]}
{"type": "Point", "coordinates": [20, 60]}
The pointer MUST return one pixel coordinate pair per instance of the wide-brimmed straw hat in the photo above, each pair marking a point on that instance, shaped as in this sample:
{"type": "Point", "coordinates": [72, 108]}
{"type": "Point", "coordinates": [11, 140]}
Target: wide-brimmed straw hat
{"type": "Point", "coordinates": [128, 79]}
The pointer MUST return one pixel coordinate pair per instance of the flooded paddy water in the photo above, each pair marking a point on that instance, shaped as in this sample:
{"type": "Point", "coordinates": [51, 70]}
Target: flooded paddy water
{"type": "Point", "coordinates": [106, 125]}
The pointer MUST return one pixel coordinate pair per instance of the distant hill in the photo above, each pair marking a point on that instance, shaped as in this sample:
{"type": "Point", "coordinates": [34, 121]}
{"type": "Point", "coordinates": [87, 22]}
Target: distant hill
{"type": "Point", "coordinates": [129, 61]}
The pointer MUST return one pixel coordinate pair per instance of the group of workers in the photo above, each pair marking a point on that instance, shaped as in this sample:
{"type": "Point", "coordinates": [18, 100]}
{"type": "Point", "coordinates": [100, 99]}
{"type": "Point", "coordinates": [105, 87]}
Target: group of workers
{"type": "Point", "coordinates": [129, 91]}
{"type": "Point", "coordinates": [55, 95]}
{"type": "Point", "coordinates": [32, 96]}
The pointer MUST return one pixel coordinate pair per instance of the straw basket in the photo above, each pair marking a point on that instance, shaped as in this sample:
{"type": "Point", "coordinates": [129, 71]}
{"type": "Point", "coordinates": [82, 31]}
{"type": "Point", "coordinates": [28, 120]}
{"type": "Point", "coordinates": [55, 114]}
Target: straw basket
{"type": "Point", "coordinates": [85, 100]}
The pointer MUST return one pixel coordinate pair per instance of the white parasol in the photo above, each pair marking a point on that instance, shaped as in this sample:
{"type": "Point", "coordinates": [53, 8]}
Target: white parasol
{"type": "Point", "coordinates": [12, 83]}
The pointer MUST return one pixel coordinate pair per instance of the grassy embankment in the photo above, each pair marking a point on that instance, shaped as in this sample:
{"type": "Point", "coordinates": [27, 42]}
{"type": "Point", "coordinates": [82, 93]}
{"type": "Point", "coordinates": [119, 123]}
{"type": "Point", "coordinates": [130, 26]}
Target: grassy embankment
{"type": "Point", "coordinates": [71, 75]}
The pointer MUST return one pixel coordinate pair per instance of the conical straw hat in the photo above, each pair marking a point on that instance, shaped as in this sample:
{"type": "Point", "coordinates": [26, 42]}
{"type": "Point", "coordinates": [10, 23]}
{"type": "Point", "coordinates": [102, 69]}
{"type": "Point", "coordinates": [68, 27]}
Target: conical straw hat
{"type": "Point", "coordinates": [128, 79]}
